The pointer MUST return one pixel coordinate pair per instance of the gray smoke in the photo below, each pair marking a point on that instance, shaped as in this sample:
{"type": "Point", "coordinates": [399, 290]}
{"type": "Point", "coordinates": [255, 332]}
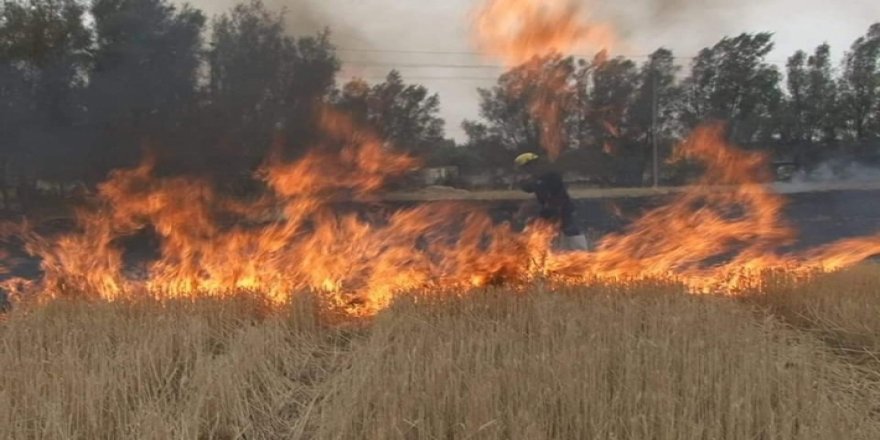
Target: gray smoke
{"type": "Point", "coordinates": [838, 171]}
{"type": "Point", "coordinates": [301, 17]}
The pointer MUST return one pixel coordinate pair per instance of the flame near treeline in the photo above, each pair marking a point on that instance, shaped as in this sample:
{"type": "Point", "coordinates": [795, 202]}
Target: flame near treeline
{"type": "Point", "coordinates": [294, 239]}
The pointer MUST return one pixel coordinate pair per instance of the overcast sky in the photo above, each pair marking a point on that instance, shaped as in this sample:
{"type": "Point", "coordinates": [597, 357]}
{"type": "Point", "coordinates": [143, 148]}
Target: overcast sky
{"type": "Point", "coordinates": [374, 36]}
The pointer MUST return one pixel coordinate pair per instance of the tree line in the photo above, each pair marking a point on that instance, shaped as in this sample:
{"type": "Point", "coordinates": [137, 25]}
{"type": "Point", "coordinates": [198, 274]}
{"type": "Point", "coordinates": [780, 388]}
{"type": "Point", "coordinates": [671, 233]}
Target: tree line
{"type": "Point", "coordinates": [86, 87]}
{"type": "Point", "coordinates": [616, 108]}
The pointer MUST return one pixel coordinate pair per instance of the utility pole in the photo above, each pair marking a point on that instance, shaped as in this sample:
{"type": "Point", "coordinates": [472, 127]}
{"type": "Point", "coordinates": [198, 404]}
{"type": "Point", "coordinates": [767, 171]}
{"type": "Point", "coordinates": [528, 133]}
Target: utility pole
{"type": "Point", "coordinates": [656, 171]}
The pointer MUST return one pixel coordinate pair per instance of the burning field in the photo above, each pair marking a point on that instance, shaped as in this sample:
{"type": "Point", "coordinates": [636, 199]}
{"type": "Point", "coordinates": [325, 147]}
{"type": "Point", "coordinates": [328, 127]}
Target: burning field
{"type": "Point", "coordinates": [719, 236]}
{"type": "Point", "coordinates": [287, 316]}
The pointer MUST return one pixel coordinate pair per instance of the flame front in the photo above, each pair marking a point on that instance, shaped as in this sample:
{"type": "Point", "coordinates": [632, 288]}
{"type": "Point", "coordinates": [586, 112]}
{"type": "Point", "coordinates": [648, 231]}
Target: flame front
{"type": "Point", "coordinates": [714, 237]}
{"type": "Point", "coordinates": [291, 241]}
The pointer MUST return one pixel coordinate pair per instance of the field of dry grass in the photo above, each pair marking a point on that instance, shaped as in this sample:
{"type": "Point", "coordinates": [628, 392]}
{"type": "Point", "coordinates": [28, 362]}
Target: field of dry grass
{"type": "Point", "coordinates": [618, 362]}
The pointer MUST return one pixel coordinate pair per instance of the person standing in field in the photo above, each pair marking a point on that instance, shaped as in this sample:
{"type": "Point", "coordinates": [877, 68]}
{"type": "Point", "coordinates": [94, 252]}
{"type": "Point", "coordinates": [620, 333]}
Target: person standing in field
{"type": "Point", "coordinates": [555, 204]}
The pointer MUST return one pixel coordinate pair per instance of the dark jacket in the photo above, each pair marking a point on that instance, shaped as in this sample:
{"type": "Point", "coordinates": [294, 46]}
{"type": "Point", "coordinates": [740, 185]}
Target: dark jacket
{"type": "Point", "coordinates": [556, 204]}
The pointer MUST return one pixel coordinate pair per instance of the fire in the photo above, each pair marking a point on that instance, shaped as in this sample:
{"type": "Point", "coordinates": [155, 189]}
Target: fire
{"type": "Point", "coordinates": [516, 31]}
{"type": "Point", "coordinates": [719, 235]}
{"type": "Point", "coordinates": [528, 34]}
{"type": "Point", "coordinates": [714, 237]}
{"type": "Point", "coordinates": [293, 240]}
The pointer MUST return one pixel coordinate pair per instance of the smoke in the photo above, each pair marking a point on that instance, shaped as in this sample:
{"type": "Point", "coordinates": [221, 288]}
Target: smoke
{"type": "Point", "coordinates": [832, 174]}
{"type": "Point", "coordinates": [301, 18]}
{"type": "Point", "coordinates": [646, 25]}
{"type": "Point", "coordinates": [309, 18]}
{"type": "Point", "coordinates": [838, 171]}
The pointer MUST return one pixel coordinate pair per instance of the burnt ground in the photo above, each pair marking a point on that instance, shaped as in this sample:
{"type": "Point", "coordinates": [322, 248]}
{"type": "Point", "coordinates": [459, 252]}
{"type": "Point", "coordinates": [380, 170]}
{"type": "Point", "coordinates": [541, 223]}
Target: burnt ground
{"type": "Point", "coordinates": [820, 217]}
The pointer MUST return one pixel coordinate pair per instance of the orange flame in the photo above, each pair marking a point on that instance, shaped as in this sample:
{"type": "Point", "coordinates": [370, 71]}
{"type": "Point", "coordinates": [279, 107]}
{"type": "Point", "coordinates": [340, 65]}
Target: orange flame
{"type": "Point", "coordinates": [714, 237]}
{"type": "Point", "coordinates": [516, 31]}
{"type": "Point", "coordinates": [730, 213]}
{"type": "Point", "coordinates": [294, 241]}
{"type": "Point", "coordinates": [529, 33]}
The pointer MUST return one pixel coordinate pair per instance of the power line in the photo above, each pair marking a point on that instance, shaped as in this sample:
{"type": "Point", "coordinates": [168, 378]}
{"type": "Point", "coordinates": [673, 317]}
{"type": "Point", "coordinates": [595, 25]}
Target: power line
{"type": "Point", "coordinates": [432, 52]}
{"type": "Point", "coordinates": [431, 78]}
{"type": "Point", "coordinates": [369, 63]}
{"type": "Point", "coordinates": [452, 52]}
{"type": "Point", "coordinates": [419, 65]}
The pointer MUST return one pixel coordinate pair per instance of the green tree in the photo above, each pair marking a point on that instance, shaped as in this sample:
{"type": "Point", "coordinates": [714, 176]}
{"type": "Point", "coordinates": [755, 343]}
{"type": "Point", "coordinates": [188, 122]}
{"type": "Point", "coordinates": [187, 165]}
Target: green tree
{"type": "Point", "coordinates": [487, 150]}
{"type": "Point", "coordinates": [589, 104]}
{"type": "Point", "coordinates": [264, 83]}
{"type": "Point", "coordinates": [143, 83]}
{"type": "Point", "coordinates": [611, 99]}
{"type": "Point", "coordinates": [531, 105]}
{"type": "Point", "coordinates": [405, 115]}
{"type": "Point", "coordinates": [731, 81]}
{"type": "Point", "coordinates": [860, 86]}
{"type": "Point", "coordinates": [795, 120]}
{"type": "Point", "coordinates": [610, 109]}
{"type": "Point", "coordinates": [655, 110]}
{"type": "Point", "coordinates": [822, 96]}
{"type": "Point", "coordinates": [43, 57]}
{"type": "Point", "coordinates": [810, 113]}
{"type": "Point", "coordinates": [658, 87]}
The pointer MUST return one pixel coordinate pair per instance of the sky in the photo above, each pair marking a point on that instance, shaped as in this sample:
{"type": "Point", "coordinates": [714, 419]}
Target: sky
{"type": "Point", "coordinates": [430, 41]}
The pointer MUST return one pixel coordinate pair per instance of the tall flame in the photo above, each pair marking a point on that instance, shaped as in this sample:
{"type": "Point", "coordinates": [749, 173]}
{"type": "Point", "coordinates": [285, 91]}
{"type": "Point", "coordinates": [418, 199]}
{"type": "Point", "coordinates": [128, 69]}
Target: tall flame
{"type": "Point", "coordinates": [295, 240]}
{"type": "Point", "coordinates": [516, 31]}
{"type": "Point", "coordinates": [528, 34]}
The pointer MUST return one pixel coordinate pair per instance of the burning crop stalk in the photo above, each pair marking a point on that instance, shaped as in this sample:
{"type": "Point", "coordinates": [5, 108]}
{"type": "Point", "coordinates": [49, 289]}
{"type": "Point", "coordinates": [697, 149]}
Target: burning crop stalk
{"type": "Point", "coordinates": [715, 237]}
{"type": "Point", "coordinates": [353, 262]}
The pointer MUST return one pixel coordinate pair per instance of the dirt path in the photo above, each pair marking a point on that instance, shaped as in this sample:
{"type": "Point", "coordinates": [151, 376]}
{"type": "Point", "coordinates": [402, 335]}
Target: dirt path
{"type": "Point", "coordinates": [448, 193]}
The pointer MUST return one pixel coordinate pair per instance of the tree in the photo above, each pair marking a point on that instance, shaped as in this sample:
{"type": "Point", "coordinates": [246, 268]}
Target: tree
{"type": "Point", "coordinates": [611, 99]}
{"type": "Point", "coordinates": [731, 81]}
{"type": "Point", "coordinates": [610, 108]}
{"type": "Point", "coordinates": [811, 115]}
{"type": "Point", "coordinates": [822, 95]}
{"type": "Point", "coordinates": [487, 149]}
{"type": "Point", "coordinates": [578, 107]}
{"type": "Point", "coordinates": [404, 115]}
{"type": "Point", "coordinates": [796, 111]}
{"type": "Point", "coordinates": [263, 83]}
{"type": "Point", "coordinates": [43, 57]}
{"type": "Point", "coordinates": [144, 78]}
{"type": "Point", "coordinates": [655, 110]}
{"type": "Point", "coordinates": [530, 106]}
{"type": "Point", "coordinates": [658, 86]}
{"type": "Point", "coordinates": [860, 86]}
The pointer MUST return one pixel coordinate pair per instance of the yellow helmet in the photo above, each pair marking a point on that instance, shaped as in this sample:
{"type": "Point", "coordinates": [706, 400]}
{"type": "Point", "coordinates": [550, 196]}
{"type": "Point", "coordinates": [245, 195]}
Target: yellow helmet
{"type": "Point", "coordinates": [525, 158]}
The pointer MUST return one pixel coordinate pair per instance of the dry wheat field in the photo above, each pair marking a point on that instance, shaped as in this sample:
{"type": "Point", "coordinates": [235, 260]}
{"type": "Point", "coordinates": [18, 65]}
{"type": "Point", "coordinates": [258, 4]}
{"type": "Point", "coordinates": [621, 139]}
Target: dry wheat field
{"type": "Point", "coordinates": [637, 361]}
